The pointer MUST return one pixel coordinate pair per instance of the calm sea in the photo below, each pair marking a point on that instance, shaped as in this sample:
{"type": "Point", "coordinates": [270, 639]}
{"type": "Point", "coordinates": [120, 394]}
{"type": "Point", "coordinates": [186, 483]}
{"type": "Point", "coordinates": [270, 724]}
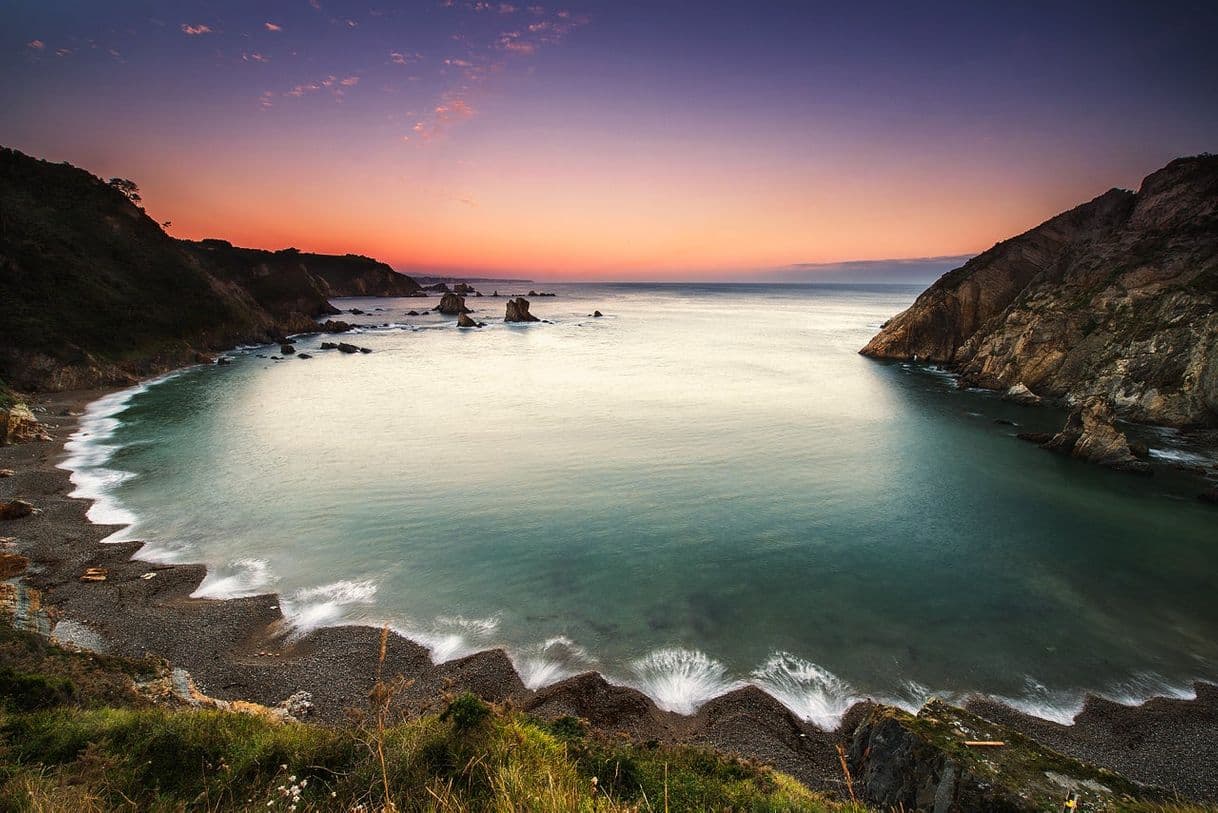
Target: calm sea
{"type": "Point", "coordinates": [703, 488]}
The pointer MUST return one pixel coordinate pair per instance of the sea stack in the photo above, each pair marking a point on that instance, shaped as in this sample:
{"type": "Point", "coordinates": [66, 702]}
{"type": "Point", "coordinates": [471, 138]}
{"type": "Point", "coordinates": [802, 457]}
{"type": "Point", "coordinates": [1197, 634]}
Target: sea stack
{"type": "Point", "coordinates": [518, 311]}
{"type": "Point", "coordinates": [452, 304]}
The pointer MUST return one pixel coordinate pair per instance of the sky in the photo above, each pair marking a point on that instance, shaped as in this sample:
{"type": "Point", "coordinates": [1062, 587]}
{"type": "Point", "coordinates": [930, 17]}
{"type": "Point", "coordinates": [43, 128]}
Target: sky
{"type": "Point", "coordinates": [613, 140]}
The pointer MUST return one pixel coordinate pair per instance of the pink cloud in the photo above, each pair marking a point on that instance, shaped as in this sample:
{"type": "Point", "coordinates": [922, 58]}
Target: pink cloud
{"type": "Point", "coordinates": [272, 26]}
{"type": "Point", "coordinates": [255, 57]}
{"type": "Point", "coordinates": [195, 30]}
{"type": "Point", "coordinates": [399, 58]}
{"type": "Point", "coordinates": [36, 45]}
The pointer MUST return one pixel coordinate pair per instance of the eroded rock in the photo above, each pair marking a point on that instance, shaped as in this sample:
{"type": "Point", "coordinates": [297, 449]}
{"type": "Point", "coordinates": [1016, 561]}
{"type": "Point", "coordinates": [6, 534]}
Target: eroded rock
{"type": "Point", "coordinates": [947, 759]}
{"type": "Point", "coordinates": [18, 425]}
{"type": "Point", "coordinates": [452, 304]}
{"type": "Point", "coordinates": [16, 509]}
{"type": "Point", "coordinates": [1089, 434]}
{"type": "Point", "coordinates": [518, 311]}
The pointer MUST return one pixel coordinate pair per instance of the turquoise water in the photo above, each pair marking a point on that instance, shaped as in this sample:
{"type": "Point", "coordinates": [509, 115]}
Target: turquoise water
{"type": "Point", "coordinates": [707, 486]}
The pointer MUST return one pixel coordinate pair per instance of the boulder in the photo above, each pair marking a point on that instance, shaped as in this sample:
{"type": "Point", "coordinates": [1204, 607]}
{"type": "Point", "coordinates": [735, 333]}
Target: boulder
{"type": "Point", "coordinates": [1020, 394]}
{"type": "Point", "coordinates": [343, 347]}
{"type": "Point", "coordinates": [287, 349]}
{"type": "Point", "coordinates": [224, 361]}
{"type": "Point", "coordinates": [356, 312]}
{"type": "Point", "coordinates": [15, 509]}
{"type": "Point", "coordinates": [18, 425]}
{"type": "Point", "coordinates": [518, 311]}
{"type": "Point", "coordinates": [334, 326]}
{"type": "Point", "coordinates": [1089, 434]}
{"type": "Point", "coordinates": [412, 313]}
{"type": "Point", "coordinates": [465, 321]}
{"type": "Point", "coordinates": [597, 314]}
{"type": "Point", "coordinates": [452, 304]}
{"type": "Point", "coordinates": [947, 759]}
{"type": "Point", "coordinates": [304, 356]}
{"type": "Point", "coordinates": [329, 346]}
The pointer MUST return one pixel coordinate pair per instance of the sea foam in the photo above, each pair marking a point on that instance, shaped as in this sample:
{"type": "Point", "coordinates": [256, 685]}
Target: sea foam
{"type": "Point", "coordinates": [681, 680]}
{"type": "Point", "coordinates": [811, 692]}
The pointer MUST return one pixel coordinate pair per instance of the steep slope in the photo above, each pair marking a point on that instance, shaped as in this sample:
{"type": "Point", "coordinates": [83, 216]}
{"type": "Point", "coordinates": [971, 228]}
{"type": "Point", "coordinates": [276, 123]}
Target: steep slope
{"type": "Point", "coordinates": [282, 275]}
{"type": "Point", "coordinates": [1112, 301]}
{"type": "Point", "coordinates": [93, 292]}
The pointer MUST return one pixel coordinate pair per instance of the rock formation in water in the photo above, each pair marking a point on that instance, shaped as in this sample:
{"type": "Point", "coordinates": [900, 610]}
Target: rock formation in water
{"type": "Point", "coordinates": [518, 311]}
{"type": "Point", "coordinates": [1111, 301]}
{"type": "Point", "coordinates": [452, 304]}
{"type": "Point", "coordinates": [96, 293]}
{"type": "Point", "coordinates": [465, 321]}
{"type": "Point", "coordinates": [1089, 435]}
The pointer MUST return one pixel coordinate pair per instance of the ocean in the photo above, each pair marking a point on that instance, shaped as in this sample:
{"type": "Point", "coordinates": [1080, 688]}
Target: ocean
{"type": "Point", "coordinates": [707, 487]}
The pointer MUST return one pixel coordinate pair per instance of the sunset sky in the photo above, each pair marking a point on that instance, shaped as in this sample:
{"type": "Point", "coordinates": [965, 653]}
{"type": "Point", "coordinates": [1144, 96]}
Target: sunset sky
{"type": "Point", "coordinates": [611, 140]}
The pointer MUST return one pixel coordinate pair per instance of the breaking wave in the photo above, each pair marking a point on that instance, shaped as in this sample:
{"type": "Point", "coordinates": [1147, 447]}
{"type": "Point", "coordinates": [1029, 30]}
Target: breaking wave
{"type": "Point", "coordinates": [681, 680]}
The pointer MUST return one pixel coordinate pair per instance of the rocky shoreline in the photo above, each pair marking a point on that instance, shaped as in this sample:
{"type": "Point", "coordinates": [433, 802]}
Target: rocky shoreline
{"type": "Point", "coordinates": [239, 649]}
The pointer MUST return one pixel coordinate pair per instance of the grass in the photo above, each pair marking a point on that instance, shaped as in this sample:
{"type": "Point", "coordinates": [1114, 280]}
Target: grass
{"type": "Point", "coordinates": [75, 737]}
{"type": "Point", "coordinates": [161, 759]}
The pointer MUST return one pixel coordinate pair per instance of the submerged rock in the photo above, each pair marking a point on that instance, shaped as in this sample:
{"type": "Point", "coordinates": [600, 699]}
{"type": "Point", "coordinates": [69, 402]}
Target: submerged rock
{"type": "Point", "coordinates": [343, 347]}
{"type": "Point", "coordinates": [287, 349]}
{"type": "Point", "coordinates": [465, 321]}
{"type": "Point", "coordinates": [1040, 438]}
{"type": "Point", "coordinates": [597, 314]}
{"type": "Point", "coordinates": [329, 346]}
{"type": "Point", "coordinates": [452, 304]}
{"type": "Point", "coordinates": [1089, 434]}
{"type": "Point", "coordinates": [518, 311]}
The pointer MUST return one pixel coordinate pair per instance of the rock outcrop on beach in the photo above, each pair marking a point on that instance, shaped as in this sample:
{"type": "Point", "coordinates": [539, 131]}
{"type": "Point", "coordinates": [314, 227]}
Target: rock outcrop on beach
{"type": "Point", "coordinates": [96, 293]}
{"type": "Point", "coordinates": [18, 425]}
{"type": "Point", "coordinates": [518, 311]}
{"type": "Point", "coordinates": [1114, 300]}
{"type": "Point", "coordinates": [945, 758]}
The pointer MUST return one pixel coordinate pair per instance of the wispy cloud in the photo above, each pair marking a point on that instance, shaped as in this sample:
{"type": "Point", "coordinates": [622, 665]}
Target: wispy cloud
{"type": "Point", "coordinates": [255, 57]}
{"type": "Point", "coordinates": [404, 57]}
{"type": "Point", "coordinates": [454, 109]}
{"type": "Point", "coordinates": [195, 30]}
{"type": "Point", "coordinates": [270, 26]}
{"type": "Point", "coordinates": [36, 45]}
{"type": "Point", "coordinates": [334, 85]}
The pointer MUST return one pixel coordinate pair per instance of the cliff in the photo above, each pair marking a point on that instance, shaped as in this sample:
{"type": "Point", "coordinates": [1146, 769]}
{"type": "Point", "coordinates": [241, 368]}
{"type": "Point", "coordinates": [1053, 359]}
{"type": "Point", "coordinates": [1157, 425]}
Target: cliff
{"type": "Point", "coordinates": [1113, 301]}
{"type": "Point", "coordinates": [94, 292]}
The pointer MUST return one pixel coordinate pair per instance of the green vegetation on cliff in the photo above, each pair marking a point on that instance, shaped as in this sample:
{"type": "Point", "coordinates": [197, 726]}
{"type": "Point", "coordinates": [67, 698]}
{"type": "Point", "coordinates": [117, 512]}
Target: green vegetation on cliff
{"type": "Point", "coordinates": [75, 735]}
{"type": "Point", "coordinates": [95, 292]}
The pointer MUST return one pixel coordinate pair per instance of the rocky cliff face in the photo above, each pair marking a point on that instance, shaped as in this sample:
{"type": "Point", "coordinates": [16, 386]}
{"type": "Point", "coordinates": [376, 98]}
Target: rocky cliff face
{"type": "Point", "coordinates": [95, 293]}
{"type": "Point", "coordinates": [1113, 301]}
